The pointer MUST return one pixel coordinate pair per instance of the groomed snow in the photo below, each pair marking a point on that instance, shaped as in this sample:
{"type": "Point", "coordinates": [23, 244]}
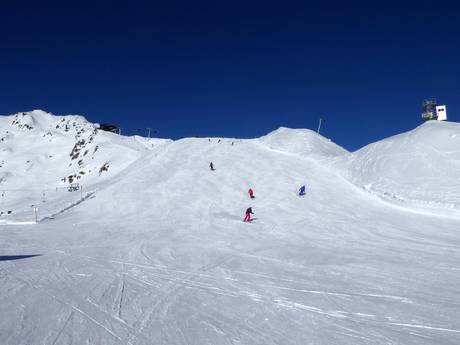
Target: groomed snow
{"type": "Point", "coordinates": [419, 169]}
{"type": "Point", "coordinates": [155, 251]}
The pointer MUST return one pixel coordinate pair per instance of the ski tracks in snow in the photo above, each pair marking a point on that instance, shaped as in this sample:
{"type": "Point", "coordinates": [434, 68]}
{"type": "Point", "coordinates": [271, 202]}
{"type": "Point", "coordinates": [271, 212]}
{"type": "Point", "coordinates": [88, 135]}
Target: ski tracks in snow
{"type": "Point", "coordinates": [230, 284]}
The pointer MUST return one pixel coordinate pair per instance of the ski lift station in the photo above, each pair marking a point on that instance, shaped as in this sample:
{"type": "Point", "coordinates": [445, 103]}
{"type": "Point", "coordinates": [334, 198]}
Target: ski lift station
{"type": "Point", "coordinates": [432, 111]}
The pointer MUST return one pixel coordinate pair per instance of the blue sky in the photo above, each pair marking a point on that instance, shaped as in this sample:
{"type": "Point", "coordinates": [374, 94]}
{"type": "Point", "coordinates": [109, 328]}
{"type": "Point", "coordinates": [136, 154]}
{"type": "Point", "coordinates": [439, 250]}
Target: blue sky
{"type": "Point", "coordinates": [239, 69]}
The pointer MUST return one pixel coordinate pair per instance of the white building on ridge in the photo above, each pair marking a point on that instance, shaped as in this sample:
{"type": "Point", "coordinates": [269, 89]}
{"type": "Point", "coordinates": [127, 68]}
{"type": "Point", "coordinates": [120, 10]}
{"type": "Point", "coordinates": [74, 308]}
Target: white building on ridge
{"type": "Point", "coordinates": [441, 113]}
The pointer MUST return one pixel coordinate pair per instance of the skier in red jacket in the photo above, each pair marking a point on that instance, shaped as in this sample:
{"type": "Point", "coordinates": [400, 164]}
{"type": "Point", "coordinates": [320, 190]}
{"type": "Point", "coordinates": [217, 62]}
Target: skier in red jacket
{"type": "Point", "coordinates": [251, 193]}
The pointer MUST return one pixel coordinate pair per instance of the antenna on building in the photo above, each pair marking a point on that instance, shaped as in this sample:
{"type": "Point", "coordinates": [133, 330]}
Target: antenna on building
{"type": "Point", "coordinates": [429, 109]}
{"type": "Point", "coordinates": [321, 120]}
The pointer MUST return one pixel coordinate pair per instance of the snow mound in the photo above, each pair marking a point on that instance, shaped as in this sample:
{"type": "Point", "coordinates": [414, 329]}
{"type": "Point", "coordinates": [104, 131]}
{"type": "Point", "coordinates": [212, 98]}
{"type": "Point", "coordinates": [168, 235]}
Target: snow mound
{"type": "Point", "coordinates": [419, 168]}
{"type": "Point", "coordinates": [301, 141]}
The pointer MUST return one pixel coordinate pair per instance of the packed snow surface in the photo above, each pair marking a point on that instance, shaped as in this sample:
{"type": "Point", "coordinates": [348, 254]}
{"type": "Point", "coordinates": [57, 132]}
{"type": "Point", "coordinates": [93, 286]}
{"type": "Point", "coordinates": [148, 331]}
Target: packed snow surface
{"type": "Point", "coordinates": [153, 249]}
{"type": "Point", "coordinates": [420, 168]}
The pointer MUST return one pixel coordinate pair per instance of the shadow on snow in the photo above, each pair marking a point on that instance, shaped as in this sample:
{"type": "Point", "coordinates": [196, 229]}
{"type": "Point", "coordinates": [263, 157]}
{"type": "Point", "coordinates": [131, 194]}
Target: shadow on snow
{"type": "Point", "coordinates": [16, 257]}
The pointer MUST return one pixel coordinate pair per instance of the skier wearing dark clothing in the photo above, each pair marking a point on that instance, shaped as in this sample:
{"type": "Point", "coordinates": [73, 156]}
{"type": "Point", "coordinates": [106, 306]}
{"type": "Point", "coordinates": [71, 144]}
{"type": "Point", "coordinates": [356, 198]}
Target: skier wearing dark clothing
{"type": "Point", "coordinates": [248, 215]}
{"type": "Point", "coordinates": [211, 166]}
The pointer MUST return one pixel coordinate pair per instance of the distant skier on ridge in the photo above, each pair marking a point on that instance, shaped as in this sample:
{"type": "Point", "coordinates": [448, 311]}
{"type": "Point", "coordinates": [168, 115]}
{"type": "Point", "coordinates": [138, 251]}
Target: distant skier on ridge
{"type": "Point", "coordinates": [251, 193]}
{"type": "Point", "coordinates": [248, 215]}
{"type": "Point", "coordinates": [211, 166]}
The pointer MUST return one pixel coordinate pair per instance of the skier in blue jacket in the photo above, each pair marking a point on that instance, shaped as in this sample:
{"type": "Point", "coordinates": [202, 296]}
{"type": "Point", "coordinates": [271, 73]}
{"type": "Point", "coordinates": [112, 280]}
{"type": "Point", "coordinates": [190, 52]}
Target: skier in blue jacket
{"type": "Point", "coordinates": [302, 190]}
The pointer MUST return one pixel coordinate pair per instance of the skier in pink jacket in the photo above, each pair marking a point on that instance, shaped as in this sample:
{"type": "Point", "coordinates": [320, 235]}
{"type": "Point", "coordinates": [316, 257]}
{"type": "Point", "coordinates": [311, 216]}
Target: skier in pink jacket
{"type": "Point", "coordinates": [248, 215]}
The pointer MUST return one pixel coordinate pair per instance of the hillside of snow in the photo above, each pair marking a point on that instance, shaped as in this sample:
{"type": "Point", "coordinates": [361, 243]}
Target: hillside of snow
{"type": "Point", "coordinates": [418, 169]}
{"type": "Point", "coordinates": [154, 251]}
{"type": "Point", "coordinates": [303, 142]}
{"type": "Point", "coordinates": [41, 155]}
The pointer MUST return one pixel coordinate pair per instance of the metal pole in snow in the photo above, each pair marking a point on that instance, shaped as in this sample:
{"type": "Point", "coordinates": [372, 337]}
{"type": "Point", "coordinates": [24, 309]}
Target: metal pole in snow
{"type": "Point", "coordinates": [35, 213]}
{"type": "Point", "coordinates": [81, 192]}
{"type": "Point", "coordinates": [319, 125]}
{"type": "Point", "coordinates": [149, 129]}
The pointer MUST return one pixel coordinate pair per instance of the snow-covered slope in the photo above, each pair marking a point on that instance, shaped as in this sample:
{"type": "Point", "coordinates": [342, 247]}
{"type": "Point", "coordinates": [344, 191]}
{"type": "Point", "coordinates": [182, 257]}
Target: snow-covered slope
{"type": "Point", "coordinates": [41, 155]}
{"type": "Point", "coordinates": [38, 148]}
{"type": "Point", "coordinates": [158, 253]}
{"type": "Point", "coordinates": [418, 169]}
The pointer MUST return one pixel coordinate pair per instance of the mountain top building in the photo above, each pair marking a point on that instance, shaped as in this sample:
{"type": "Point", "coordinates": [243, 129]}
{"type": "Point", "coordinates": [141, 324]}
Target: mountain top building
{"type": "Point", "coordinates": [432, 111]}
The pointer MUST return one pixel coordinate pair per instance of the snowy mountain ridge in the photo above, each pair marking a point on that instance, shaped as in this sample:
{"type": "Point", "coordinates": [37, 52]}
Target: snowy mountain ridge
{"type": "Point", "coordinates": [417, 169]}
{"type": "Point", "coordinates": [44, 121]}
{"type": "Point", "coordinates": [61, 149]}
{"type": "Point", "coordinates": [41, 153]}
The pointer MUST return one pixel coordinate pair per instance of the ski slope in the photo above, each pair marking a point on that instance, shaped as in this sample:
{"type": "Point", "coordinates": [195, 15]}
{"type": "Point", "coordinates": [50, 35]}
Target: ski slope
{"type": "Point", "coordinates": [418, 169]}
{"type": "Point", "coordinates": [156, 252]}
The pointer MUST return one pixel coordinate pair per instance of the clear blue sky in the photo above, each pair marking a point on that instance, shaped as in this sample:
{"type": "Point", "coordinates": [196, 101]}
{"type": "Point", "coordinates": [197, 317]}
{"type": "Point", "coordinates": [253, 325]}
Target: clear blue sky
{"type": "Point", "coordinates": [231, 68]}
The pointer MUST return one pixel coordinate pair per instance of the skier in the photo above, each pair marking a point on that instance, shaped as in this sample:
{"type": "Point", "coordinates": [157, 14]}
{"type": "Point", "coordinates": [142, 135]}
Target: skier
{"type": "Point", "coordinates": [302, 191]}
{"type": "Point", "coordinates": [211, 166]}
{"type": "Point", "coordinates": [248, 215]}
{"type": "Point", "coordinates": [251, 193]}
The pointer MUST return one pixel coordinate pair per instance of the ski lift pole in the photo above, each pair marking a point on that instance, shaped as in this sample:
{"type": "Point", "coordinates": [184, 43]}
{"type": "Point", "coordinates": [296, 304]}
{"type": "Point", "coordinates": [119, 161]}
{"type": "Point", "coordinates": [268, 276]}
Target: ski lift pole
{"type": "Point", "coordinates": [321, 120]}
{"type": "Point", "coordinates": [35, 207]}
